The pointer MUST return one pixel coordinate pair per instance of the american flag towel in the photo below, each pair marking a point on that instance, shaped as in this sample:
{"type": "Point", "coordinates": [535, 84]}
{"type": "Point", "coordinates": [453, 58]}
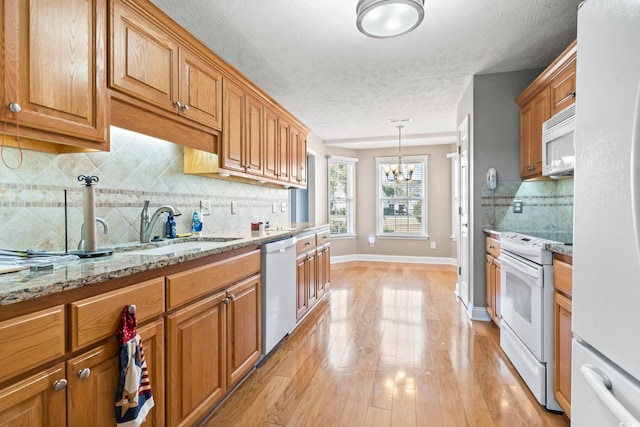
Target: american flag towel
{"type": "Point", "coordinates": [134, 399]}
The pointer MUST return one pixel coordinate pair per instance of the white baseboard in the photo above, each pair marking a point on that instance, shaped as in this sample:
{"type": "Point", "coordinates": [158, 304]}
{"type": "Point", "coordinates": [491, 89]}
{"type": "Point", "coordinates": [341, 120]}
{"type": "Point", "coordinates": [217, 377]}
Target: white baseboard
{"type": "Point", "coordinates": [394, 258]}
{"type": "Point", "coordinates": [478, 313]}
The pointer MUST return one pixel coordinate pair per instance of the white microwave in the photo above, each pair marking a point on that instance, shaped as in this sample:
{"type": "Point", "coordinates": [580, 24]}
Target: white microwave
{"type": "Point", "coordinates": [558, 145]}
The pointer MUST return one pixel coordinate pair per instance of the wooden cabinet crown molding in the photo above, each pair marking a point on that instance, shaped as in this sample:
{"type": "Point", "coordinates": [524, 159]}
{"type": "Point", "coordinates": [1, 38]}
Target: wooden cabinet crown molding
{"type": "Point", "coordinates": [556, 67]}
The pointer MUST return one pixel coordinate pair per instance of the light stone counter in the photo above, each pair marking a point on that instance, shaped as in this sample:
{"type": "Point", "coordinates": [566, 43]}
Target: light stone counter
{"type": "Point", "coordinates": [25, 285]}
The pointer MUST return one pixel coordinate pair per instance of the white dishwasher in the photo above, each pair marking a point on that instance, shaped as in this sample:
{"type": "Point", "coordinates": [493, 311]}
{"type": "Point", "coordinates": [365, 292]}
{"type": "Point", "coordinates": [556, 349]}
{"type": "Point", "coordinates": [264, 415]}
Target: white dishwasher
{"type": "Point", "coordinates": [278, 291]}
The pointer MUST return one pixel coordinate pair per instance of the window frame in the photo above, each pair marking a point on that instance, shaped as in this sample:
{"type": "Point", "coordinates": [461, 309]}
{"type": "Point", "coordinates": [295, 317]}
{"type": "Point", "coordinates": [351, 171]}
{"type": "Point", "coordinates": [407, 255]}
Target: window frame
{"type": "Point", "coordinates": [424, 232]}
{"type": "Point", "coordinates": [350, 199]}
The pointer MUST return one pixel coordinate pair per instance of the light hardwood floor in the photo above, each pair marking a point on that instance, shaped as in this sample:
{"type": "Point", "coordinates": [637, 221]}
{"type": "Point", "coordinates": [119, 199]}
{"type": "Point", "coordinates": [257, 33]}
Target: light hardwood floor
{"type": "Point", "coordinates": [390, 345]}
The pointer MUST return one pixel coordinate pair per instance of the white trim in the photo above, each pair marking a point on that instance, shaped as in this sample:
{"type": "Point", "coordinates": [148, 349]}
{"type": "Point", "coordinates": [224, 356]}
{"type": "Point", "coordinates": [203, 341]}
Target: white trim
{"type": "Point", "coordinates": [394, 258]}
{"type": "Point", "coordinates": [343, 158]}
{"type": "Point", "coordinates": [343, 236]}
{"type": "Point", "coordinates": [478, 313]}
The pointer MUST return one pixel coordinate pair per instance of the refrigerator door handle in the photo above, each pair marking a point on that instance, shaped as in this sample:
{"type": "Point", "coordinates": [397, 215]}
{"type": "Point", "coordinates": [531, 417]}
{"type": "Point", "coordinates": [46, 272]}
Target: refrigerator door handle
{"type": "Point", "coordinates": [635, 172]}
{"type": "Point", "coordinates": [601, 385]}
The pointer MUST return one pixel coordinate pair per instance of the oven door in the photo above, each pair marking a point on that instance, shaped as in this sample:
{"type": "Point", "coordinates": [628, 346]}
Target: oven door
{"type": "Point", "coordinates": [522, 297]}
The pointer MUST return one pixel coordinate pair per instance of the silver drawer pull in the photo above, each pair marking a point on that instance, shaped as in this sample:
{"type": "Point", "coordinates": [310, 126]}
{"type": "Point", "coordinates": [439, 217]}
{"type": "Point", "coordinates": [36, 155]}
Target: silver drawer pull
{"type": "Point", "coordinates": [132, 308]}
{"type": "Point", "coordinates": [60, 384]}
{"type": "Point", "coordinates": [84, 373]}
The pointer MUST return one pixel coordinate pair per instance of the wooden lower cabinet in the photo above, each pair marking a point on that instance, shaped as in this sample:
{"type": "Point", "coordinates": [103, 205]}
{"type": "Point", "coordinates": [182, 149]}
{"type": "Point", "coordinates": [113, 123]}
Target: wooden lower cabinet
{"type": "Point", "coordinates": [493, 271]}
{"type": "Point", "coordinates": [243, 328]}
{"type": "Point", "coordinates": [34, 401]}
{"type": "Point", "coordinates": [562, 334]}
{"type": "Point", "coordinates": [196, 360]}
{"type": "Point", "coordinates": [312, 271]}
{"type": "Point", "coordinates": [93, 380]}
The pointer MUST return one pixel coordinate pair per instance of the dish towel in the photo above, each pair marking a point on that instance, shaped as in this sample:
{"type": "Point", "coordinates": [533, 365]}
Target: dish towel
{"type": "Point", "coordinates": [134, 399]}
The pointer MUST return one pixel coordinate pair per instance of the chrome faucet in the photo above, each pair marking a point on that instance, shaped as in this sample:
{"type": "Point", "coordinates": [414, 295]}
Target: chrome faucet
{"type": "Point", "coordinates": [146, 223]}
{"type": "Point", "coordinates": [104, 225]}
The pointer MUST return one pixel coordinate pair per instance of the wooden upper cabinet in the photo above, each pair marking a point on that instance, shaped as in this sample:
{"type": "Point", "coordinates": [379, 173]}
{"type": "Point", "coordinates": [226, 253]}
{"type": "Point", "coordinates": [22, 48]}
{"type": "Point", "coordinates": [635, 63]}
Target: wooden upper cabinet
{"type": "Point", "coordinates": [294, 154]}
{"type": "Point", "coordinates": [271, 157]}
{"type": "Point", "coordinates": [148, 64]}
{"type": "Point", "coordinates": [254, 136]}
{"type": "Point", "coordinates": [231, 153]}
{"type": "Point", "coordinates": [54, 66]}
{"type": "Point", "coordinates": [563, 88]}
{"type": "Point", "coordinates": [553, 90]}
{"type": "Point", "coordinates": [302, 160]}
{"type": "Point", "coordinates": [532, 116]}
{"type": "Point", "coordinates": [283, 149]}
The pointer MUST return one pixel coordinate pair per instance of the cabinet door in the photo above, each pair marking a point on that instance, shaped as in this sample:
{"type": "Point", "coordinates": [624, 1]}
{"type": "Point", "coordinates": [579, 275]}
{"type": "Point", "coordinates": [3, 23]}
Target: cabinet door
{"type": "Point", "coordinates": [254, 136]}
{"type": "Point", "coordinates": [312, 278]}
{"type": "Point", "coordinates": [232, 150]}
{"type": "Point", "coordinates": [243, 328]}
{"type": "Point", "coordinates": [498, 286]}
{"type": "Point", "coordinates": [144, 59]}
{"type": "Point", "coordinates": [327, 266]}
{"type": "Point", "coordinates": [200, 90]}
{"type": "Point", "coordinates": [563, 89]}
{"type": "Point", "coordinates": [320, 271]}
{"type": "Point", "coordinates": [195, 360]}
{"type": "Point", "coordinates": [271, 165]}
{"type": "Point", "coordinates": [34, 401]}
{"type": "Point", "coordinates": [301, 285]}
{"type": "Point", "coordinates": [302, 160]}
{"type": "Point", "coordinates": [562, 351]}
{"type": "Point", "coordinates": [294, 154]}
{"type": "Point", "coordinates": [490, 273]}
{"type": "Point", "coordinates": [283, 149]}
{"type": "Point", "coordinates": [532, 116]}
{"type": "Point", "coordinates": [54, 67]}
{"type": "Point", "coordinates": [93, 380]}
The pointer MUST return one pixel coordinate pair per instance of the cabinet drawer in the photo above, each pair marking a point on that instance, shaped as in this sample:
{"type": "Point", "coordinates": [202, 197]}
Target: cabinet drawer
{"type": "Point", "coordinates": [194, 283]}
{"type": "Point", "coordinates": [562, 281]}
{"type": "Point", "coordinates": [96, 318]}
{"type": "Point", "coordinates": [323, 237]}
{"type": "Point", "coordinates": [493, 247]}
{"type": "Point", "coordinates": [305, 243]}
{"type": "Point", "coordinates": [31, 340]}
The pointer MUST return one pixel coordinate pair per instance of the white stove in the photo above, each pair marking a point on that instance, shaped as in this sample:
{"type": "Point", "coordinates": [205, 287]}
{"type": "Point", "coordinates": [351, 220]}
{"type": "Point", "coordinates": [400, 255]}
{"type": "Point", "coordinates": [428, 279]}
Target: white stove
{"type": "Point", "coordinates": [526, 334]}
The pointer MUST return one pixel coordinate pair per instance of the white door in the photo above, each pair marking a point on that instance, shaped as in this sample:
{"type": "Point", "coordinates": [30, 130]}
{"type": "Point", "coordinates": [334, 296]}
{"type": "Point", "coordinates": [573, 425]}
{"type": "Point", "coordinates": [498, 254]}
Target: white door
{"type": "Point", "coordinates": [463, 240]}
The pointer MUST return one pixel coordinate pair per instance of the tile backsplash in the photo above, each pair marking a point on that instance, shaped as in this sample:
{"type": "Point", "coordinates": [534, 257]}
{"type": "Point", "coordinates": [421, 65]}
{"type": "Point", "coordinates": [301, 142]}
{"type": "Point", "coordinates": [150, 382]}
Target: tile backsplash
{"type": "Point", "coordinates": [138, 168]}
{"type": "Point", "coordinates": [547, 205]}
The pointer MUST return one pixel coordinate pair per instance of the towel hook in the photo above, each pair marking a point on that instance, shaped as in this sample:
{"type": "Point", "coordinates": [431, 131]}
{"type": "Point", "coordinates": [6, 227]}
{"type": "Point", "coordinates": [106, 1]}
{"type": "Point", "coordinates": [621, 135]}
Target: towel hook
{"type": "Point", "coordinates": [132, 308]}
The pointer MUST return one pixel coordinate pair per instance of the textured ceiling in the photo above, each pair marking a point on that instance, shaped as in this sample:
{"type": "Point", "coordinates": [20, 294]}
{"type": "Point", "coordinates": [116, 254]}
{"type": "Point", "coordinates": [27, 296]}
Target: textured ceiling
{"type": "Point", "coordinates": [309, 56]}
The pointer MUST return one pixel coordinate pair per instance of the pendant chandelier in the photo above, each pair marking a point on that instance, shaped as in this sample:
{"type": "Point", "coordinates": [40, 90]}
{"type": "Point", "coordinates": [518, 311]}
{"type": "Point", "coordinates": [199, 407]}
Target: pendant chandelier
{"type": "Point", "coordinates": [398, 171]}
{"type": "Point", "coordinates": [388, 18]}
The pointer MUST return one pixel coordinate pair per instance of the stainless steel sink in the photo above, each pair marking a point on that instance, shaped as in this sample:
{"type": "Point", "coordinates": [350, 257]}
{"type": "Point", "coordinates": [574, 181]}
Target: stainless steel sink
{"type": "Point", "coordinates": [183, 247]}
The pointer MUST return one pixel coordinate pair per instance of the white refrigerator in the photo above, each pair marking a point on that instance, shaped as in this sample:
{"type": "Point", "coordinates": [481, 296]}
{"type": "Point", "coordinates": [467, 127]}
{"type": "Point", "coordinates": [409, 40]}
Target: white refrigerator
{"type": "Point", "coordinates": [605, 382]}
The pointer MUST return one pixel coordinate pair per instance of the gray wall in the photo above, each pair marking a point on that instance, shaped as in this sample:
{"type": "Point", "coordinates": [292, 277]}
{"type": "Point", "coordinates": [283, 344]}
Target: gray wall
{"type": "Point", "coordinates": [495, 142]}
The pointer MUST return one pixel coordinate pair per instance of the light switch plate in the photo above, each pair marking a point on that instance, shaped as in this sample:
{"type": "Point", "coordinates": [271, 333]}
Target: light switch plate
{"type": "Point", "coordinates": [205, 207]}
{"type": "Point", "coordinates": [234, 207]}
{"type": "Point", "coordinates": [283, 207]}
{"type": "Point", "coordinates": [274, 207]}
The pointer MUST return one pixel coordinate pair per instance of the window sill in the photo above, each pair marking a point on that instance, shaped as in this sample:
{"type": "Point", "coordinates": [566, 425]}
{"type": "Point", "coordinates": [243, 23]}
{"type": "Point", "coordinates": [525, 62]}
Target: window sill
{"type": "Point", "coordinates": [343, 236]}
{"type": "Point", "coordinates": [401, 236]}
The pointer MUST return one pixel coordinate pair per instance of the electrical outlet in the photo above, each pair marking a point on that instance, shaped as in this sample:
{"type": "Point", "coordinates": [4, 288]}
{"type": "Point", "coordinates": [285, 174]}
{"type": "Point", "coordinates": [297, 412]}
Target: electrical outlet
{"type": "Point", "coordinates": [283, 207]}
{"type": "Point", "coordinates": [274, 207]}
{"type": "Point", "coordinates": [517, 206]}
{"type": "Point", "coordinates": [433, 245]}
{"type": "Point", "coordinates": [205, 207]}
{"type": "Point", "coordinates": [234, 207]}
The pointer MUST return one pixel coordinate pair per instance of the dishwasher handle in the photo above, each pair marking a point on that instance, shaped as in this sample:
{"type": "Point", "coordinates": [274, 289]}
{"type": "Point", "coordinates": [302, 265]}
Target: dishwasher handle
{"type": "Point", "coordinates": [280, 245]}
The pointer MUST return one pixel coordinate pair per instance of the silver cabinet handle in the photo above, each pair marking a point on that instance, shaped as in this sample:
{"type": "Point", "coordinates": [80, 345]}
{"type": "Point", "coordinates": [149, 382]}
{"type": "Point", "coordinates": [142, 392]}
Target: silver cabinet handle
{"type": "Point", "coordinates": [84, 373]}
{"type": "Point", "coordinates": [59, 385]}
{"type": "Point", "coordinates": [232, 297]}
{"type": "Point", "coordinates": [132, 308]}
{"type": "Point", "coordinates": [601, 385]}
{"type": "Point", "coordinates": [226, 301]}
{"type": "Point", "coordinates": [177, 104]}
{"type": "Point", "coordinates": [14, 107]}
{"type": "Point", "coordinates": [185, 107]}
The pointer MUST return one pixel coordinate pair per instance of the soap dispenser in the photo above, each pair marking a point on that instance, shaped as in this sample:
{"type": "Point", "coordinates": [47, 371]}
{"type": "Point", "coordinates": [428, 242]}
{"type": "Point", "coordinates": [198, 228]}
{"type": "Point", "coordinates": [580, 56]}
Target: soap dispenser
{"type": "Point", "coordinates": [170, 230]}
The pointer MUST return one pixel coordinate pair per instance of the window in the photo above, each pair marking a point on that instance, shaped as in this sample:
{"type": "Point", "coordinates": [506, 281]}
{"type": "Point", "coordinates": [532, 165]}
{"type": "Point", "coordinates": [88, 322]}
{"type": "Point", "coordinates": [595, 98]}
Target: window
{"type": "Point", "coordinates": [402, 206]}
{"type": "Point", "coordinates": [342, 189]}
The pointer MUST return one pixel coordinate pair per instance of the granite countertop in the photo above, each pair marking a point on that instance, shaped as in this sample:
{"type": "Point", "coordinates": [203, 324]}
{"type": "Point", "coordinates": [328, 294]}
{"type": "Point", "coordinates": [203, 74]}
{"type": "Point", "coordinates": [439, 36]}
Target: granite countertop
{"type": "Point", "coordinates": [126, 260]}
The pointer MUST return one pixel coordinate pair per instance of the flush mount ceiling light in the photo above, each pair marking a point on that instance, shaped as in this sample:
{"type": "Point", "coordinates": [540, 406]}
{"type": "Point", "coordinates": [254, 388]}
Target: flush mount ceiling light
{"type": "Point", "coordinates": [388, 18]}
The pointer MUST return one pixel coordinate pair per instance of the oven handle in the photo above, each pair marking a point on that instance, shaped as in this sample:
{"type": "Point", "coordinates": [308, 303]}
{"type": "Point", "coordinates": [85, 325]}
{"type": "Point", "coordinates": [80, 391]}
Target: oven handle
{"type": "Point", "coordinates": [521, 267]}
